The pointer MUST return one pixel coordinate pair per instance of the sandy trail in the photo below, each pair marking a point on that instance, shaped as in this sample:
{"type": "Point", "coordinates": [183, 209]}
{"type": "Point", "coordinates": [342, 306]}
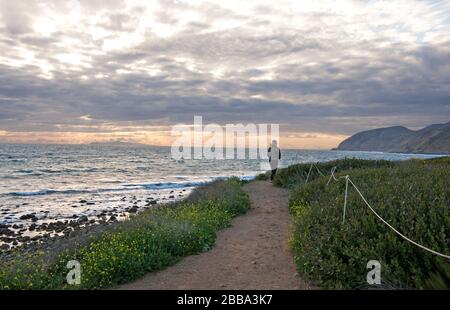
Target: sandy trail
{"type": "Point", "coordinates": [252, 254]}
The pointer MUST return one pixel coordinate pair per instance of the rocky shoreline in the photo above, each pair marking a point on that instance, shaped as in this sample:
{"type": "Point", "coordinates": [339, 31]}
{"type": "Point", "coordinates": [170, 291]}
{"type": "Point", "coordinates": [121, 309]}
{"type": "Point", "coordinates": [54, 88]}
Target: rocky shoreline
{"type": "Point", "coordinates": [37, 229]}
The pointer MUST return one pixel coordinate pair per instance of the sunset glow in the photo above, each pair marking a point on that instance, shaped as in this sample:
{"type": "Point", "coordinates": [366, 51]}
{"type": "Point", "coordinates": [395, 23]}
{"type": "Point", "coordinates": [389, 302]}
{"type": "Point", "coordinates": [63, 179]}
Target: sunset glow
{"type": "Point", "coordinates": [91, 71]}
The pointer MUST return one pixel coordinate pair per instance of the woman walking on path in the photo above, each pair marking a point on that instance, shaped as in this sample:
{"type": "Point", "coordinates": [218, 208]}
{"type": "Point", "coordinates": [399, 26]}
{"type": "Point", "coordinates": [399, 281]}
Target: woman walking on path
{"type": "Point", "coordinates": [274, 155]}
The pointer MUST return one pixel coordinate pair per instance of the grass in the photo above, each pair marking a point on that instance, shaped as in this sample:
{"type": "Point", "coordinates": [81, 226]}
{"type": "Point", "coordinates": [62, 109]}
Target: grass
{"type": "Point", "coordinates": [150, 241]}
{"type": "Point", "coordinates": [263, 176]}
{"type": "Point", "coordinates": [413, 196]}
{"type": "Point", "coordinates": [296, 175]}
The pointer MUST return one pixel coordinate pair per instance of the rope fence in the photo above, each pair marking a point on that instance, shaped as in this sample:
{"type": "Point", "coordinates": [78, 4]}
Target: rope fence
{"type": "Point", "coordinates": [309, 172]}
{"type": "Point", "coordinates": [347, 181]}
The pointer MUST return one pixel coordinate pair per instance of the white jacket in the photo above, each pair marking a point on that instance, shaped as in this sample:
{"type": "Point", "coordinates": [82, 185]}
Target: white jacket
{"type": "Point", "coordinates": [274, 155]}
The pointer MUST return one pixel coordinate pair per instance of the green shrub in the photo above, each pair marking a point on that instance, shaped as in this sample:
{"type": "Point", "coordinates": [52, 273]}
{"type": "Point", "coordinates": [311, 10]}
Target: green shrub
{"type": "Point", "coordinates": [412, 196]}
{"type": "Point", "coordinates": [150, 241]}
{"type": "Point", "coordinates": [294, 175]}
{"type": "Point", "coordinates": [263, 176]}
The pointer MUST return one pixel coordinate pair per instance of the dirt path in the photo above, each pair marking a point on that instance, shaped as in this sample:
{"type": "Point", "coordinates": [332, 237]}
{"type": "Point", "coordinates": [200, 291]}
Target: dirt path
{"type": "Point", "coordinates": [252, 254]}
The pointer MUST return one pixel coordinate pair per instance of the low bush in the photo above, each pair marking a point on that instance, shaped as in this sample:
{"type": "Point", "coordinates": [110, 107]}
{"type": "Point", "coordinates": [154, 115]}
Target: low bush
{"type": "Point", "coordinates": [294, 175]}
{"type": "Point", "coordinates": [413, 196]}
{"type": "Point", "coordinates": [263, 176]}
{"type": "Point", "coordinates": [149, 241]}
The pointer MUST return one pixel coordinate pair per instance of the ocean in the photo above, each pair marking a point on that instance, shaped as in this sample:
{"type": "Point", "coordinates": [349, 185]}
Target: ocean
{"type": "Point", "coordinates": [54, 182]}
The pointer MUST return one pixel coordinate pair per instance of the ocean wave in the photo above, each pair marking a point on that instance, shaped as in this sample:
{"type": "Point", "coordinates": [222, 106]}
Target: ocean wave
{"type": "Point", "coordinates": [185, 184]}
{"type": "Point", "coordinates": [247, 177]}
{"type": "Point", "coordinates": [126, 187]}
{"type": "Point", "coordinates": [69, 170]}
{"type": "Point", "coordinates": [15, 160]}
{"type": "Point", "coordinates": [9, 177]}
{"type": "Point", "coordinates": [24, 171]}
{"type": "Point", "coordinates": [64, 192]}
{"type": "Point", "coordinates": [36, 193]}
{"type": "Point", "coordinates": [175, 185]}
{"type": "Point", "coordinates": [167, 185]}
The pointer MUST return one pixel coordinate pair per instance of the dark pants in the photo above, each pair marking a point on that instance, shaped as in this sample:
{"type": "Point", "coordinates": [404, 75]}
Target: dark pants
{"type": "Point", "coordinates": [273, 174]}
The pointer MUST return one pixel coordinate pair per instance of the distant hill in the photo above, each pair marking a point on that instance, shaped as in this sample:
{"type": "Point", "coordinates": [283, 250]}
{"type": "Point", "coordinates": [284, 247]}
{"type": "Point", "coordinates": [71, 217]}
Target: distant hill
{"type": "Point", "coordinates": [398, 139]}
{"type": "Point", "coordinates": [117, 143]}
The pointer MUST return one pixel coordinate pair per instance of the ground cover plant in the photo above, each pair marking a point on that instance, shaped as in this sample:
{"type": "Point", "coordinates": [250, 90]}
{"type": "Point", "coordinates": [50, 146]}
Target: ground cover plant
{"type": "Point", "coordinates": [150, 241]}
{"type": "Point", "coordinates": [413, 196]}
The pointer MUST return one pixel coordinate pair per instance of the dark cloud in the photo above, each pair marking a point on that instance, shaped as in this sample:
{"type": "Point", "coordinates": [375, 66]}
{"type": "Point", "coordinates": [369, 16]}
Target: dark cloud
{"type": "Point", "coordinates": [322, 75]}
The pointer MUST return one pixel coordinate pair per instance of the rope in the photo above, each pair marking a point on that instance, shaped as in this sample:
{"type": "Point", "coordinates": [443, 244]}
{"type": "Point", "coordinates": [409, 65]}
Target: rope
{"type": "Point", "coordinates": [391, 227]}
{"type": "Point", "coordinates": [347, 180]}
{"type": "Point", "coordinates": [345, 198]}
{"type": "Point", "coordinates": [310, 169]}
{"type": "Point", "coordinates": [332, 175]}
{"type": "Point", "coordinates": [318, 170]}
{"type": "Point", "coordinates": [307, 177]}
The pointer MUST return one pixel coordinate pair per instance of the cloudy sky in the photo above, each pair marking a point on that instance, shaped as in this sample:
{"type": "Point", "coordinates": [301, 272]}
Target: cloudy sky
{"type": "Point", "coordinates": [92, 70]}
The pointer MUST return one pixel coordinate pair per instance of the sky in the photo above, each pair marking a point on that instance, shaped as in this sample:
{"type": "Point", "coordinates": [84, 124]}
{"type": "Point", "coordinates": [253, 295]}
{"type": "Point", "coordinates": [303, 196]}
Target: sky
{"type": "Point", "coordinates": [90, 70]}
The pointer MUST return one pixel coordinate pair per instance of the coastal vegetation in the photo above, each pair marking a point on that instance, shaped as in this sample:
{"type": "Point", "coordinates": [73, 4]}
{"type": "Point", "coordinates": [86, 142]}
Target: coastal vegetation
{"type": "Point", "coordinates": [149, 241]}
{"type": "Point", "coordinates": [413, 196]}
